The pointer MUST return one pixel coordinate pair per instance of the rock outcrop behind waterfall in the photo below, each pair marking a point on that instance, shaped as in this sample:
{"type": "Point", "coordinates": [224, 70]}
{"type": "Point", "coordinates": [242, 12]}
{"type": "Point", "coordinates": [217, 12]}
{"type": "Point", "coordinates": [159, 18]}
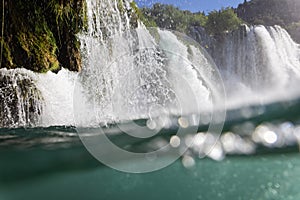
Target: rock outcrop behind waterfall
{"type": "Point", "coordinates": [42, 35]}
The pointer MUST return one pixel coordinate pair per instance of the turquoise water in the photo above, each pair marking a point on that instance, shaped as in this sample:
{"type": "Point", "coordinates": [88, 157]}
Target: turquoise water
{"type": "Point", "coordinates": [74, 174]}
{"type": "Point", "coordinates": [52, 163]}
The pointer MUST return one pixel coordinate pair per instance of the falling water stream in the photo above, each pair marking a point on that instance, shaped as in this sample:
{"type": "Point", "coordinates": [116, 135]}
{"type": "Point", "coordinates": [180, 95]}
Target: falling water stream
{"type": "Point", "coordinates": [130, 72]}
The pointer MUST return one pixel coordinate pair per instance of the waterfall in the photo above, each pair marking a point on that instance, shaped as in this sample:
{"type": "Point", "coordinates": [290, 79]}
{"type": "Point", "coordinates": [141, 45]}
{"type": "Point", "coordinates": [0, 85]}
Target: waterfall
{"type": "Point", "coordinates": [136, 71]}
{"type": "Point", "coordinates": [33, 99]}
{"type": "Point", "coordinates": [20, 99]}
{"type": "Point", "coordinates": [258, 64]}
{"type": "Point", "coordinates": [131, 72]}
{"type": "Point", "coordinates": [128, 73]}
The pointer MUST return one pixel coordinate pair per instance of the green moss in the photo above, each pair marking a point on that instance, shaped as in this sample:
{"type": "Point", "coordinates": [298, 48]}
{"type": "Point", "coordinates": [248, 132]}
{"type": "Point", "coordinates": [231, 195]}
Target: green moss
{"type": "Point", "coordinates": [138, 15]}
{"type": "Point", "coordinates": [40, 35]}
{"type": "Point", "coordinates": [45, 39]}
{"type": "Point", "coordinates": [39, 44]}
{"type": "Point", "coordinates": [67, 13]}
{"type": "Point", "coordinates": [84, 16]}
{"type": "Point", "coordinates": [41, 49]}
{"type": "Point", "coordinates": [121, 6]}
{"type": "Point", "coordinates": [6, 54]}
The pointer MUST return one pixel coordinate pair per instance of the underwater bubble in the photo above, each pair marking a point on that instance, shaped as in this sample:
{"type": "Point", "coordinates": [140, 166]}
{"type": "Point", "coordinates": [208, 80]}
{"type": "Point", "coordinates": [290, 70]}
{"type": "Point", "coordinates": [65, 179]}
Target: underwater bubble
{"type": "Point", "coordinates": [216, 152]}
{"type": "Point", "coordinates": [175, 141]}
{"type": "Point", "coordinates": [228, 142]}
{"type": "Point", "coordinates": [259, 131]}
{"type": "Point", "coordinates": [183, 122]}
{"type": "Point", "coordinates": [199, 139]}
{"type": "Point", "coordinates": [188, 161]}
{"type": "Point", "coordinates": [270, 137]}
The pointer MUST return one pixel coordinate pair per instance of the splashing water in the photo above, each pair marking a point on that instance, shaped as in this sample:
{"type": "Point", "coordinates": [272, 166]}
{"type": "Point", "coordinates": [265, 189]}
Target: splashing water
{"type": "Point", "coordinates": [21, 101]}
{"type": "Point", "coordinates": [259, 63]}
{"type": "Point", "coordinates": [32, 99]}
{"type": "Point", "coordinates": [131, 73]}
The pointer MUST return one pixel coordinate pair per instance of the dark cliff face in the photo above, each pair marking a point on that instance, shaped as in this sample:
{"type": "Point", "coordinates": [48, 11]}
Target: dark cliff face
{"type": "Point", "coordinates": [272, 12]}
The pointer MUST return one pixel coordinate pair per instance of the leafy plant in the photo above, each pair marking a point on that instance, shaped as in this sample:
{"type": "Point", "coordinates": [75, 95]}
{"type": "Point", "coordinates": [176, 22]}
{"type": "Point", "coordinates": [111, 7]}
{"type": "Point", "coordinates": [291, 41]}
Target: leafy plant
{"type": "Point", "coordinates": [170, 17]}
{"type": "Point", "coordinates": [224, 20]}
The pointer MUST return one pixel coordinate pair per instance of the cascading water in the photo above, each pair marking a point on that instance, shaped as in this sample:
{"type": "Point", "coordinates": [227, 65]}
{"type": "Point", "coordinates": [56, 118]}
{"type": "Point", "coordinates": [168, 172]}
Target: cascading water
{"type": "Point", "coordinates": [130, 72]}
{"type": "Point", "coordinates": [33, 99]}
{"type": "Point", "coordinates": [257, 62]}
{"type": "Point", "coordinates": [21, 101]}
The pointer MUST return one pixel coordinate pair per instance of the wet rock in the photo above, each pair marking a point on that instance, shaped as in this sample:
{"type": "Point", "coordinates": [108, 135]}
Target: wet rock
{"type": "Point", "coordinates": [21, 103]}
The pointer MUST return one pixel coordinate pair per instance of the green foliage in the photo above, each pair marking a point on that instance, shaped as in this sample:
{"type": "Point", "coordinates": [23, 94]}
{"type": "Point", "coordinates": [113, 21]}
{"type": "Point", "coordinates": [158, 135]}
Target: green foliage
{"type": "Point", "coordinates": [67, 13]}
{"type": "Point", "coordinates": [6, 54]}
{"type": "Point", "coordinates": [272, 12]}
{"type": "Point", "coordinates": [224, 20]}
{"type": "Point", "coordinates": [198, 19]}
{"type": "Point", "coordinates": [61, 11]}
{"type": "Point", "coordinates": [170, 17]}
{"type": "Point", "coordinates": [139, 15]}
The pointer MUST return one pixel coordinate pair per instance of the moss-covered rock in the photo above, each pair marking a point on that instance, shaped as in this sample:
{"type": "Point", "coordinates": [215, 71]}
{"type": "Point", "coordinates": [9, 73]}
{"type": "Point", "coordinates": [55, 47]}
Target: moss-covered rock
{"type": "Point", "coordinates": [40, 35]}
